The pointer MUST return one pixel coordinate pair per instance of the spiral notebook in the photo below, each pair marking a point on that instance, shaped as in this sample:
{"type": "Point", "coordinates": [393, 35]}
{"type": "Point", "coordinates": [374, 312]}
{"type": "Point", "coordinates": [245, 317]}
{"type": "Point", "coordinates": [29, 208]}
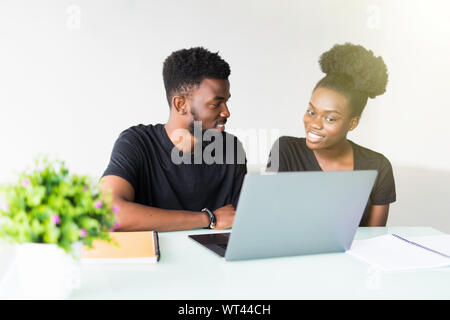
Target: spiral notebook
{"type": "Point", "coordinates": [125, 247]}
{"type": "Point", "coordinates": [393, 252]}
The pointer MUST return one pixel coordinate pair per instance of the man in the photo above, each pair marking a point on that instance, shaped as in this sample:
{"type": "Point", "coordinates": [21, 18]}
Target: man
{"type": "Point", "coordinates": [151, 188]}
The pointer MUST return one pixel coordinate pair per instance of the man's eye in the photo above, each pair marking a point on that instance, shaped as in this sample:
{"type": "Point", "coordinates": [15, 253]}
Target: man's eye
{"type": "Point", "coordinates": [215, 105]}
{"type": "Point", "coordinates": [310, 112]}
{"type": "Point", "coordinates": [331, 119]}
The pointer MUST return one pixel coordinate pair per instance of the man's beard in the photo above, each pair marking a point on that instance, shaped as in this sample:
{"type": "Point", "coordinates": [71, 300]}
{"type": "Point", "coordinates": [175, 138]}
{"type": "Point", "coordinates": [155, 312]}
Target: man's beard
{"type": "Point", "coordinates": [196, 120]}
{"type": "Point", "coordinates": [192, 124]}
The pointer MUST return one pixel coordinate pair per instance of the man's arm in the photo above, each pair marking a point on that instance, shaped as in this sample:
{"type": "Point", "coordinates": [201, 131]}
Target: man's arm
{"type": "Point", "coordinates": [136, 217]}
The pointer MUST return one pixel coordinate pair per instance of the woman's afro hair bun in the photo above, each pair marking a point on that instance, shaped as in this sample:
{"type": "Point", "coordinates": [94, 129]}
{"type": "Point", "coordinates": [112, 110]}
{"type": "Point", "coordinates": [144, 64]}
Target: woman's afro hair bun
{"type": "Point", "coordinates": [369, 73]}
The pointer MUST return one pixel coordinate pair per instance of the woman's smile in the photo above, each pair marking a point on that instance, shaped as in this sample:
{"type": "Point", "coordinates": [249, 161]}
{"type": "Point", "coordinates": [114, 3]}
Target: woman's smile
{"type": "Point", "coordinates": [314, 137]}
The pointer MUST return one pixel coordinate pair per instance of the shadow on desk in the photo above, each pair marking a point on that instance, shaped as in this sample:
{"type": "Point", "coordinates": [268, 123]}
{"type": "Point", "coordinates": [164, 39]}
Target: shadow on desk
{"type": "Point", "coordinates": [423, 198]}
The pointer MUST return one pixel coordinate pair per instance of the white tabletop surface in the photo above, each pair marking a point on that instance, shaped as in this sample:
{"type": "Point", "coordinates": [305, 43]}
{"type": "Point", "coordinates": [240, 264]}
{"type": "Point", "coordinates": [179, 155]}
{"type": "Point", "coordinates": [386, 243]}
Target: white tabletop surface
{"type": "Point", "coordinates": [187, 270]}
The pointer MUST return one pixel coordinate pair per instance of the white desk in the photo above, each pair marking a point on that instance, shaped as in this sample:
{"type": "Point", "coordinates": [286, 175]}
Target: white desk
{"type": "Point", "coordinates": [189, 271]}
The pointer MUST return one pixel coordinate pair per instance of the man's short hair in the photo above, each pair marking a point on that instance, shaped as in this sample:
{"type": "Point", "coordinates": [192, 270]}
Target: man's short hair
{"type": "Point", "coordinates": [186, 68]}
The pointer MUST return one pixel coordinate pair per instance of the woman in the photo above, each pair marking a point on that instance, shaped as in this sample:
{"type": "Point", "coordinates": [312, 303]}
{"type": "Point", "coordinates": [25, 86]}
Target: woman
{"type": "Point", "coordinates": [353, 74]}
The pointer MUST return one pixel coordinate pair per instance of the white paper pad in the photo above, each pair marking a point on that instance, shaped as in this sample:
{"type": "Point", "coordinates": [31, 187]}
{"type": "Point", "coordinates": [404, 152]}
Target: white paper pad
{"type": "Point", "coordinates": [390, 253]}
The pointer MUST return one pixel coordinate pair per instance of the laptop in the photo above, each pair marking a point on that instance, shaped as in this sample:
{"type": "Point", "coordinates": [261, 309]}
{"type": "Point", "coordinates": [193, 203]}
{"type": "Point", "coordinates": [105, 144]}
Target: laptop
{"type": "Point", "coordinates": [294, 213]}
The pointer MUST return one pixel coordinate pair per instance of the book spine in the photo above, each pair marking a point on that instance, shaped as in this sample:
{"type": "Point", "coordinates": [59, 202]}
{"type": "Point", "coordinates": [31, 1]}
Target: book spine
{"type": "Point", "coordinates": [156, 244]}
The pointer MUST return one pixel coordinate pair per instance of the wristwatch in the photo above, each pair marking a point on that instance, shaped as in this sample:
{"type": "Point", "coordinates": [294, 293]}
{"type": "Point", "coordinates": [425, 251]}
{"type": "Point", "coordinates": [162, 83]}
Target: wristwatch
{"type": "Point", "coordinates": [212, 218]}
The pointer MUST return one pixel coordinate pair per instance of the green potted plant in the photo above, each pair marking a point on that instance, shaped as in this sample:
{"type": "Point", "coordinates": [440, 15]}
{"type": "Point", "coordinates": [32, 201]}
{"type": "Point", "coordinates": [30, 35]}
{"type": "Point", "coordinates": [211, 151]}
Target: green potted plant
{"type": "Point", "coordinates": [45, 219]}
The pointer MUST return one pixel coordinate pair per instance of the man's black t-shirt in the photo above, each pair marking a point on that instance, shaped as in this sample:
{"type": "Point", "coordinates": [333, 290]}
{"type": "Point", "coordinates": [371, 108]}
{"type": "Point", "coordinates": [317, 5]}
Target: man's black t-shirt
{"type": "Point", "coordinates": [294, 155]}
{"type": "Point", "coordinates": [142, 156]}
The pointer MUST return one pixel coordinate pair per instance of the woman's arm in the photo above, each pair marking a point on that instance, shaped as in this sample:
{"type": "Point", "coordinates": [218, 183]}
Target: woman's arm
{"type": "Point", "coordinates": [378, 216]}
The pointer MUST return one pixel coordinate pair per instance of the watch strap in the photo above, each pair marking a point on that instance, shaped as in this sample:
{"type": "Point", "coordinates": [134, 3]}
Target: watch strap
{"type": "Point", "coordinates": [212, 218]}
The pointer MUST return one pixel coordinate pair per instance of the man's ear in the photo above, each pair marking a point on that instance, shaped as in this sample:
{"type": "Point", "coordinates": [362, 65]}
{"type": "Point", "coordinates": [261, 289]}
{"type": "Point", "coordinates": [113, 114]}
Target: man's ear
{"type": "Point", "coordinates": [353, 123]}
{"type": "Point", "coordinates": [179, 103]}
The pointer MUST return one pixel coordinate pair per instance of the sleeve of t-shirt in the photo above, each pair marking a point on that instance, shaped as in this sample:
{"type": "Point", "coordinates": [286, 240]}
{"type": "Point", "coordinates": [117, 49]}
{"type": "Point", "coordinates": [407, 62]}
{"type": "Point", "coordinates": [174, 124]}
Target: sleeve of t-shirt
{"type": "Point", "coordinates": [125, 158]}
{"type": "Point", "coordinates": [277, 156]}
{"type": "Point", "coordinates": [240, 172]}
{"type": "Point", "coordinates": [384, 190]}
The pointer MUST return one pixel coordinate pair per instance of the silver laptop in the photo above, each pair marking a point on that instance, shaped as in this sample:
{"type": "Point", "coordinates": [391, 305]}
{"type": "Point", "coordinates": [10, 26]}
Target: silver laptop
{"type": "Point", "coordinates": [294, 213]}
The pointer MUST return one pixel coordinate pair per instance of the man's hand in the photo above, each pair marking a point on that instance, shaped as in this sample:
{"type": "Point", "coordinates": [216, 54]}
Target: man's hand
{"type": "Point", "coordinates": [225, 217]}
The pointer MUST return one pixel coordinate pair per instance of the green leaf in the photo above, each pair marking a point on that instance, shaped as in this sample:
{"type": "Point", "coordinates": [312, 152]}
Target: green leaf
{"type": "Point", "coordinates": [35, 195]}
{"type": "Point", "coordinates": [70, 231]}
{"type": "Point", "coordinates": [36, 227]}
{"type": "Point", "coordinates": [88, 223]}
{"type": "Point", "coordinates": [51, 233]}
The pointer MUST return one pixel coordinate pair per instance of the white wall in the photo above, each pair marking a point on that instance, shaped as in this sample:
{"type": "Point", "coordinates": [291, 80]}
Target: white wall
{"type": "Point", "coordinates": [74, 74]}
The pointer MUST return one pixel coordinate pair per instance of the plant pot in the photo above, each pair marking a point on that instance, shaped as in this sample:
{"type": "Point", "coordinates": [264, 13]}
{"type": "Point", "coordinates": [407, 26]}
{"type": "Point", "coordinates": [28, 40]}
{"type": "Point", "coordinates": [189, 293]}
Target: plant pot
{"type": "Point", "coordinates": [39, 271]}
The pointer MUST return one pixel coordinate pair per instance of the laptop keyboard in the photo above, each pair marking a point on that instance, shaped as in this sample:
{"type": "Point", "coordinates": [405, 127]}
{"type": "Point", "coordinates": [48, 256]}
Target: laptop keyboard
{"type": "Point", "coordinates": [222, 245]}
{"type": "Point", "coordinates": [216, 242]}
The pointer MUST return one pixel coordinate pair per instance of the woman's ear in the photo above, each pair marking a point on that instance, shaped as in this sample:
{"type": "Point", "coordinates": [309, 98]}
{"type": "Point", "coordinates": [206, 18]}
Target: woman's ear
{"type": "Point", "coordinates": [353, 123]}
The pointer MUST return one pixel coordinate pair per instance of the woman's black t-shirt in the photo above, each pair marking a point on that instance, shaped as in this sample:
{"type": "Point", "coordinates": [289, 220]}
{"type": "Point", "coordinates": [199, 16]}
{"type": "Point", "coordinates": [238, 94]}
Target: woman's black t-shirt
{"type": "Point", "coordinates": [294, 155]}
{"type": "Point", "coordinates": [142, 155]}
